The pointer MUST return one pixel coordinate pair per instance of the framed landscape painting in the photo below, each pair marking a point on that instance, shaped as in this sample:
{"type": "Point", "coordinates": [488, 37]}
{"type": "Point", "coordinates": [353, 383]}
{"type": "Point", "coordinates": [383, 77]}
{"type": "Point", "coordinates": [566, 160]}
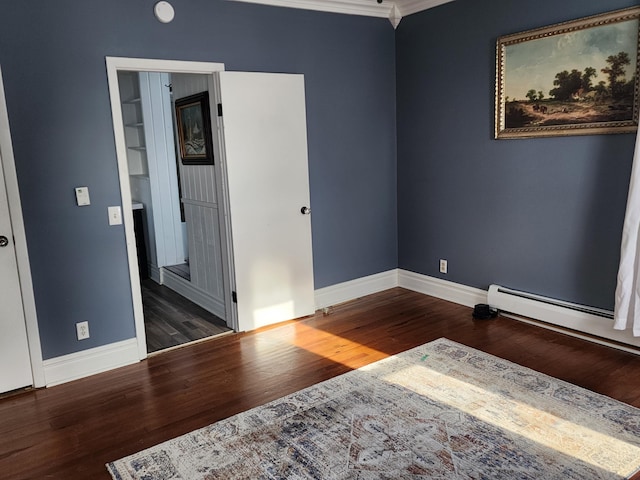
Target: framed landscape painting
{"type": "Point", "coordinates": [573, 78]}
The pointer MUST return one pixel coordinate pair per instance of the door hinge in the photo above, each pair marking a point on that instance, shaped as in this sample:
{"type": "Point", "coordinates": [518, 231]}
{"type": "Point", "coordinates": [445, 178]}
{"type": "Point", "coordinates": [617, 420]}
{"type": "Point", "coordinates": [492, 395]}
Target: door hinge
{"type": "Point", "coordinates": [219, 109]}
{"type": "Point", "coordinates": [234, 297]}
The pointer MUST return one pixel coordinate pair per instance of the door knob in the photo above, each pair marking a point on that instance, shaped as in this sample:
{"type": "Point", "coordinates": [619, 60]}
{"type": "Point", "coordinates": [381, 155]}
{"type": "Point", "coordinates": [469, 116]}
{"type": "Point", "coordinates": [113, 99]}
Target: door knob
{"type": "Point", "coordinates": [4, 241]}
{"type": "Point", "coordinates": [305, 211]}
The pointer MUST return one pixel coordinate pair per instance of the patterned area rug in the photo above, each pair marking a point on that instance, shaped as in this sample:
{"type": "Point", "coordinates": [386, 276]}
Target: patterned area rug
{"type": "Point", "coordinates": [439, 411]}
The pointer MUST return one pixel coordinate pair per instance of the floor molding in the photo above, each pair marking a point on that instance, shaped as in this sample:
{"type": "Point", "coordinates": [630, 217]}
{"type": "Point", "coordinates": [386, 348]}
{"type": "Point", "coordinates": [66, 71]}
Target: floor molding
{"type": "Point", "coordinates": [154, 273]}
{"type": "Point", "coordinates": [436, 287]}
{"type": "Point", "coordinates": [89, 362]}
{"type": "Point", "coordinates": [576, 324]}
{"type": "Point", "coordinates": [345, 291]}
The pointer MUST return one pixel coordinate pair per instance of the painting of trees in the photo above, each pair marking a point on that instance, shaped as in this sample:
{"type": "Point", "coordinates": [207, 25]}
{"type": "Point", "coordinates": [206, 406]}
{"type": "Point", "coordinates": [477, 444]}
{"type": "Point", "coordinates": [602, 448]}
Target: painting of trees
{"type": "Point", "coordinates": [575, 78]}
{"type": "Point", "coordinates": [615, 72]}
{"type": "Point", "coordinates": [566, 84]}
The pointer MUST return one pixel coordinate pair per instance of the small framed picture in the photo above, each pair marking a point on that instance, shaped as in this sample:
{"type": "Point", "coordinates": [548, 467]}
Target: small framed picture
{"type": "Point", "coordinates": [573, 78]}
{"type": "Point", "coordinates": [194, 129]}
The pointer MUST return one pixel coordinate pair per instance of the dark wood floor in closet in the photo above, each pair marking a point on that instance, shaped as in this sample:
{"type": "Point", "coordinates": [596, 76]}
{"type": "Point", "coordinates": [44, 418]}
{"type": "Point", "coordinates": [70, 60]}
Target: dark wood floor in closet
{"type": "Point", "coordinates": [171, 320]}
{"type": "Point", "coordinates": [72, 430]}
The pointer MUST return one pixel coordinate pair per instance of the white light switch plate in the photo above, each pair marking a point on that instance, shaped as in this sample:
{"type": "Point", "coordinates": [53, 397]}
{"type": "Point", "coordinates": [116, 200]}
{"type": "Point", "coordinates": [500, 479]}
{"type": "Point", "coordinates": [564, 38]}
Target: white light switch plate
{"type": "Point", "coordinates": [115, 215]}
{"type": "Point", "coordinates": [82, 196]}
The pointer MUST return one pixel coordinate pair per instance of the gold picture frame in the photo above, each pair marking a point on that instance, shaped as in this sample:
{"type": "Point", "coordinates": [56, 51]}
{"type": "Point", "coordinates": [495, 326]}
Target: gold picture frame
{"type": "Point", "coordinates": [572, 78]}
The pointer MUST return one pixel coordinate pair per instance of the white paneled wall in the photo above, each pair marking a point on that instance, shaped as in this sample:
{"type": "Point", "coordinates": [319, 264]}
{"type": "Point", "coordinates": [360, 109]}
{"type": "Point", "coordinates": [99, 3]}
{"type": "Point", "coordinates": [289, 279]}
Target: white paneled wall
{"type": "Point", "coordinates": [204, 245]}
{"type": "Point", "coordinates": [161, 161]}
{"type": "Point", "coordinates": [201, 210]}
{"type": "Point", "coordinates": [198, 184]}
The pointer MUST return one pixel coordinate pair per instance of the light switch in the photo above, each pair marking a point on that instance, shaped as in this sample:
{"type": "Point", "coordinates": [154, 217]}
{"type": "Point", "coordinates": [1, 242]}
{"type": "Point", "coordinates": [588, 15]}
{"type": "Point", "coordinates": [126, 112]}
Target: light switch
{"type": "Point", "coordinates": [115, 216]}
{"type": "Point", "coordinates": [82, 196]}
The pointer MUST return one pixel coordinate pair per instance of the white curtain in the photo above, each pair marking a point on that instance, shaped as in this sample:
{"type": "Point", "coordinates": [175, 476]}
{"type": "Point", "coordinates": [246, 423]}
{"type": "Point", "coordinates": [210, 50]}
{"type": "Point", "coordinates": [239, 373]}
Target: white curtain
{"type": "Point", "coordinates": [627, 309]}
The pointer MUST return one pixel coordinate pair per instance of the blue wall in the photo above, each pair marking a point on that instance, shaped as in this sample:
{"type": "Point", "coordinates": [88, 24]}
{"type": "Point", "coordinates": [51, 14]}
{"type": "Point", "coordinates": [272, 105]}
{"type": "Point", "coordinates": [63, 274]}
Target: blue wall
{"type": "Point", "coordinates": [52, 58]}
{"type": "Point", "coordinates": [542, 215]}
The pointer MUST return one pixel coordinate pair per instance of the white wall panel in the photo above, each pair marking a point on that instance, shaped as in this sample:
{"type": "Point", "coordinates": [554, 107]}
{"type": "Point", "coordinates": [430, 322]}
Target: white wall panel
{"type": "Point", "coordinates": [198, 183]}
{"type": "Point", "coordinates": [161, 159]}
{"type": "Point", "coordinates": [204, 245]}
{"type": "Point", "coordinates": [199, 198]}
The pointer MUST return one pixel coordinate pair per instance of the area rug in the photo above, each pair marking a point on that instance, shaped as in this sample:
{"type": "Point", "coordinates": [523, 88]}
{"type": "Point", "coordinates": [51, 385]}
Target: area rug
{"type": "Point", "coordinates": [438, 411]}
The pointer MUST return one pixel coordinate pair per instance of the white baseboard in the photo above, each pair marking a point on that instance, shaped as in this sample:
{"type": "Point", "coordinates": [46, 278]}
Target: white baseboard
{"type": "Point", "coordinates": [89, 362]}
{"type": "Point", "coordinates": [547, 312]}
{"type": "Point", "coordinates": [154, 273]}
{"type": "Point", "coordinates": [436, 287]}
{"type": "Point", "coordinates": [577, 324]}
{"type": "Point", "coordinates": [193, 293]}
{"type": "Point", "coordinates": [343, 292]}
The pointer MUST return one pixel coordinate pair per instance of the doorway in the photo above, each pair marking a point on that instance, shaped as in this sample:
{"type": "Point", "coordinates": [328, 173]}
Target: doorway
{"type": "Point", "coordinates": [176, 213]}
{"type": "Point", "coordinates": [261, 187]}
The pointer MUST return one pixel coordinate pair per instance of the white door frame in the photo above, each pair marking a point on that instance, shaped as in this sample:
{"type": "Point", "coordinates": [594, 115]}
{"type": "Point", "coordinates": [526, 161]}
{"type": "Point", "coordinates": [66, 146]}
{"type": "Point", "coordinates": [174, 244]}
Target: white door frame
{"type": "Point", "coordinates": [114, 64]}
{"type": "Point", "coordinates": [8, 165]}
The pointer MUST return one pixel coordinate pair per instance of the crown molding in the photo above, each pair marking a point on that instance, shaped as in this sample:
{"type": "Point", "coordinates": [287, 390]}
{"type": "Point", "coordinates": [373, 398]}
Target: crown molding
{"type": "Point", "coordinates": [369, 8]}
{"type": "Point", "coordinates": [408, 7]}
{"type": "Point", "coordinates": [394, 10]}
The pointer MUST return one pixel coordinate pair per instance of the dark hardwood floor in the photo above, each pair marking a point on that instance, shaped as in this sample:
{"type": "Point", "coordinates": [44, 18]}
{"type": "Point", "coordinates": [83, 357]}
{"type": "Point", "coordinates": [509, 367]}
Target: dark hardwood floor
{"type": "Point", "coordinates": [171, 320]}
{"type": "Point", "coordinates": [70, 431]}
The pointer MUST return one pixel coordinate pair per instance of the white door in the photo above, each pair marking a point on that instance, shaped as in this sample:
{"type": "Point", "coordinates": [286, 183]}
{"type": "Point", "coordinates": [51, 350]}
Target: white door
{"type": "Point", "coordinates": [265, 145]}
{"type": "Point", "coordinates": [15, 363]}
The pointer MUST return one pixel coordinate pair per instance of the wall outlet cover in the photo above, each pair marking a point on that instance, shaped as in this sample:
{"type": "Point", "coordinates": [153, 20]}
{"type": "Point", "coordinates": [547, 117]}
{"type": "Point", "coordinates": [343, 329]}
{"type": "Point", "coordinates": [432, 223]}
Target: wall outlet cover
{"type": "Point", "coordinates": [443, 266]}
{"type": "Point", "coordinates": [82, 330]}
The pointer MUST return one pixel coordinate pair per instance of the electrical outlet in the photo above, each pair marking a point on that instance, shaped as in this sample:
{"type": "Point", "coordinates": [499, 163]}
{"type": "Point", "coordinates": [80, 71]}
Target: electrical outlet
{"type": "Point", "coordinates": [443, 266]}
{"type": "Point", "coordinates": [82, 329]}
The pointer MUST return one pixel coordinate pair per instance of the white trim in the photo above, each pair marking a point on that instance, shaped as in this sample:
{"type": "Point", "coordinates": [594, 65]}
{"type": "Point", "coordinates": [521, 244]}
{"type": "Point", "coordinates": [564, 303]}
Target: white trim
{"type": "Point", "coordinates": [158, 65]}
{"type": "Point", "coordinates": [574, 333]}
{"type": "Point", "coordinates": [20, 236]}
{"type": "Point", "coordinates": [222, 198]}
{"type": "Point", "coordinates": [369, 8]}
{"type": "Point", "coordinates": [139, 65]}
{"type": "Point", "coordinates": [89, 362]}
{"type": "Point", "coordinates": [436, 287]}
{"type": "Point", "coordinates": [154, 273]}
{"type": "Point", "coordinates": [576, 324]}
{"type": "Point", "coordinates": [192, 293]}
{"type": "Point", "coordinates": [343, 292]}
{"type": "Point", "coordinates": [590, 320]}
{"type": "Point", "coordinates": [408, 7]}
{"type": "Point", "coordinates": [395, 16]}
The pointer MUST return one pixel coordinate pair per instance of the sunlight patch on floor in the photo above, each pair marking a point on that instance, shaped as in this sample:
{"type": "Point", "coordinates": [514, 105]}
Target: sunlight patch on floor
{"type": "Point", "coordinates": [549, 429]}
{"type": "Point", "coordinates": [334, 347]}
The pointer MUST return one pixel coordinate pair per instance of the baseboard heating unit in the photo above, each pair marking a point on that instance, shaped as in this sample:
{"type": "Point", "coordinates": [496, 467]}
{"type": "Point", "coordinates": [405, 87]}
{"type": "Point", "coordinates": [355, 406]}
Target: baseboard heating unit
{"type": "Point", "coordinates": [580, 319]}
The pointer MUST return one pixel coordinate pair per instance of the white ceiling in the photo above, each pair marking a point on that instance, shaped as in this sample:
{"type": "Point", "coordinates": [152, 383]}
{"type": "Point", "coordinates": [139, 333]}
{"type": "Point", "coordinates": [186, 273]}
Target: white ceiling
{"type": "Point", "coordinates": [394, 10]}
